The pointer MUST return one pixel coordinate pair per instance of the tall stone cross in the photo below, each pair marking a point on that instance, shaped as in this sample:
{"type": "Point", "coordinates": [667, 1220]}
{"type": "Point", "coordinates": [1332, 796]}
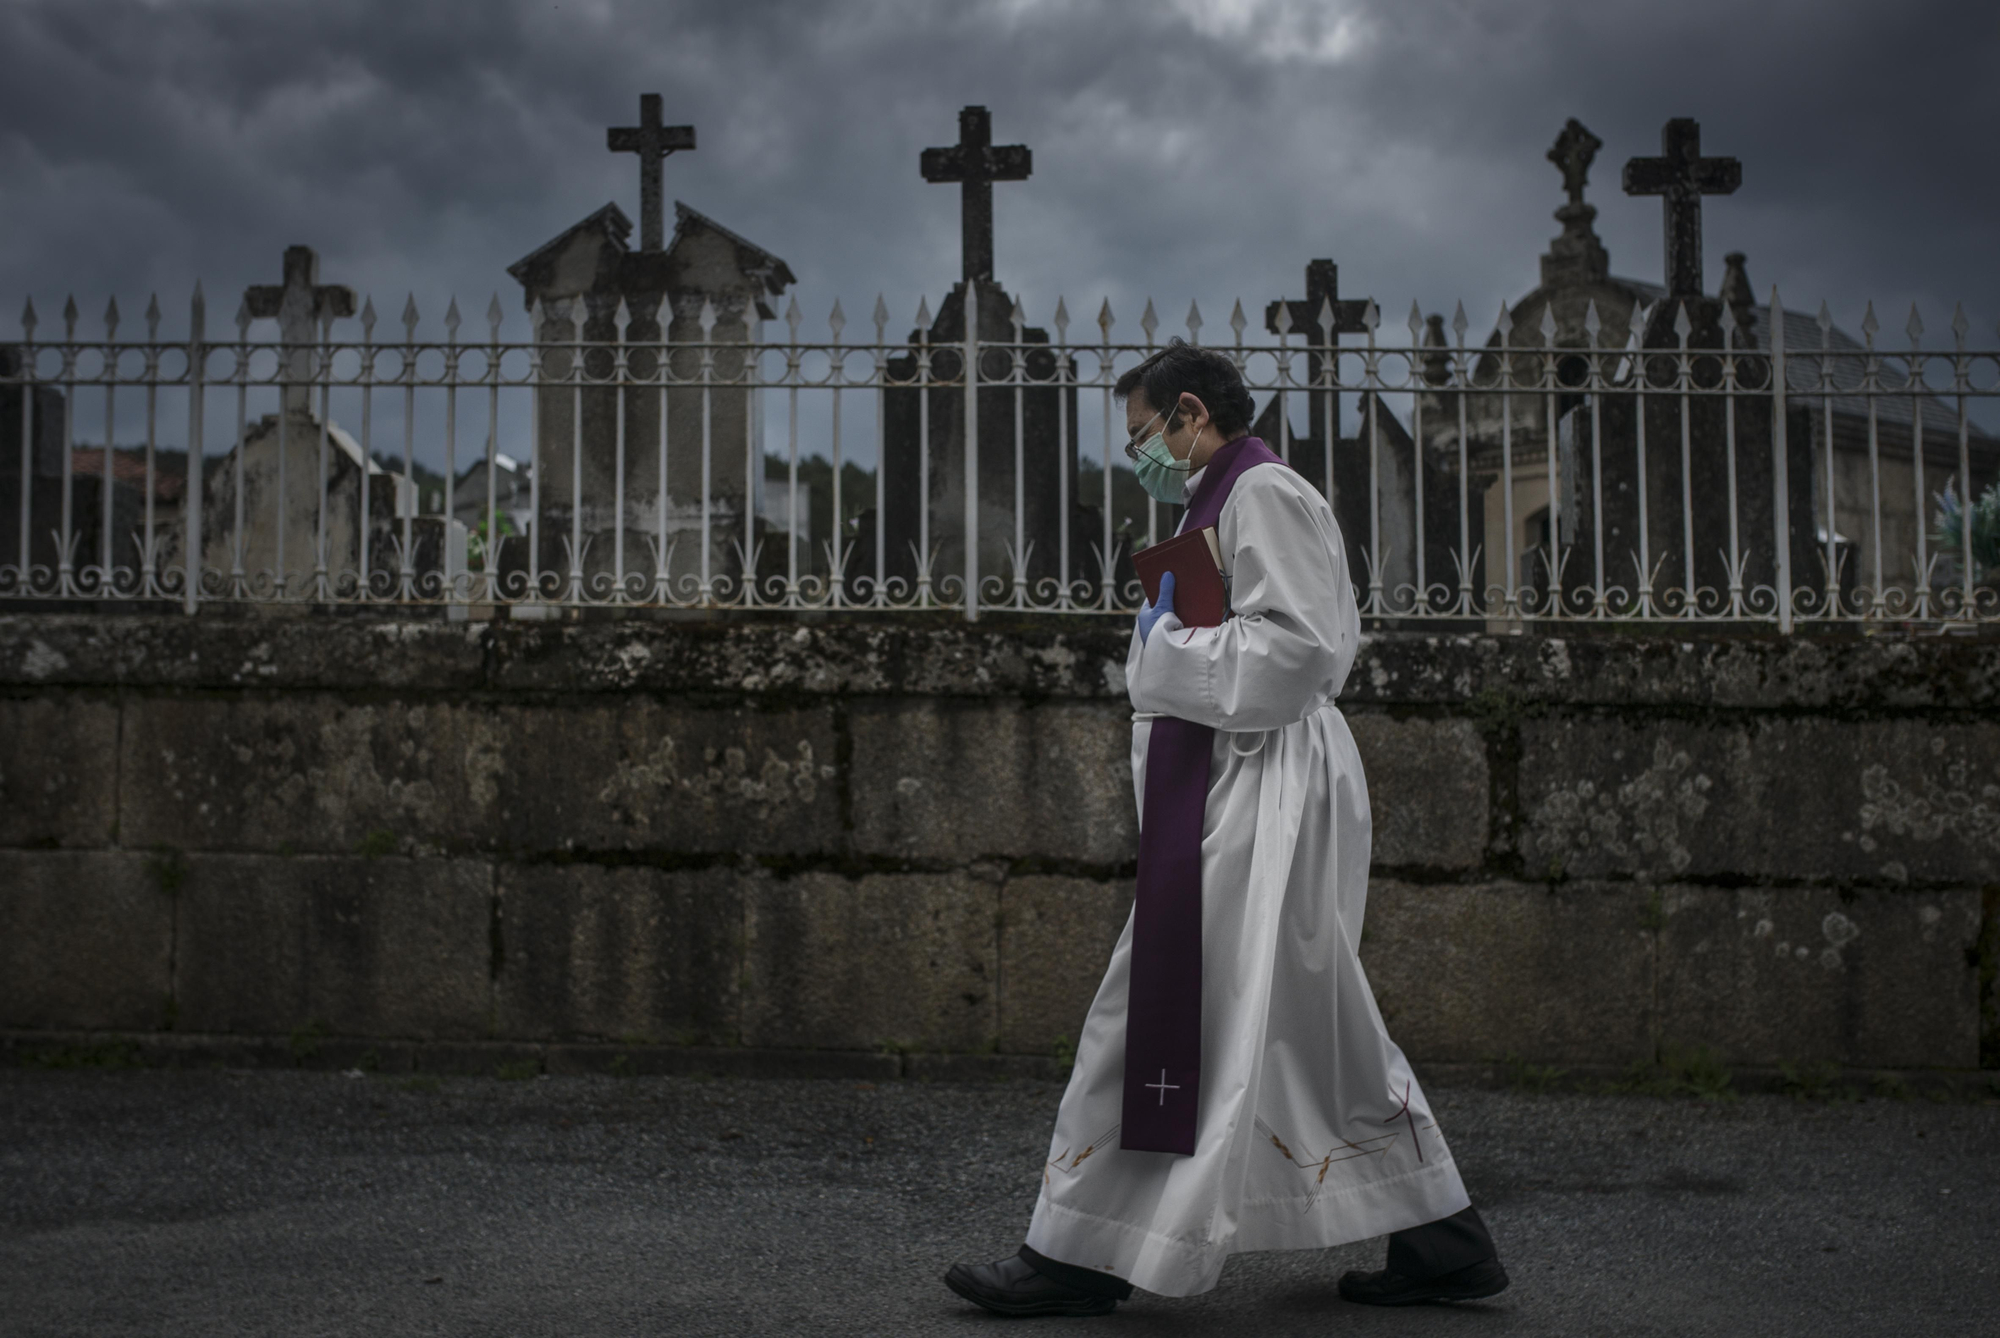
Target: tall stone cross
{"type": "Point", "coordinates": [1322, 287]}
{"type": "Point", "coordinates": [652, 142]}
{"type": "Point", "coordinates": [1682, 176]}
{"type": "Point", "coordinates": [975, 163]}
{"type": "Point", "coordinates": [299, 305]}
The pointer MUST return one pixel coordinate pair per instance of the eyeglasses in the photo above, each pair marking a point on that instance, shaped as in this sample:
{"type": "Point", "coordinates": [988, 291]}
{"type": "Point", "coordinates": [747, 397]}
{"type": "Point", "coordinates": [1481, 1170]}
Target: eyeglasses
{"type": "Point", "coordinates": [1132, 445]}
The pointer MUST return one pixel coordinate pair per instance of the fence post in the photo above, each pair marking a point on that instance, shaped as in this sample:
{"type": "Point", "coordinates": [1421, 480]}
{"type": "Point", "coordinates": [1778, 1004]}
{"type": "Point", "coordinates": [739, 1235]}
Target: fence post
{"type": "Point", "coordinates": [1781, 503]}
{"type": "Point", "coordinates": [972, 450]}
{"type": "Point", "coordinates": [191, 511]}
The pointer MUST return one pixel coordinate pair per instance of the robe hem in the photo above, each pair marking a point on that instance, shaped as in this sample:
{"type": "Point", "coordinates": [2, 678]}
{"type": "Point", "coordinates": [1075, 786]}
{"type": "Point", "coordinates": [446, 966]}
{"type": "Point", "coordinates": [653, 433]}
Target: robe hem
{"type": "Point", "coordinates": [1171, 1266]}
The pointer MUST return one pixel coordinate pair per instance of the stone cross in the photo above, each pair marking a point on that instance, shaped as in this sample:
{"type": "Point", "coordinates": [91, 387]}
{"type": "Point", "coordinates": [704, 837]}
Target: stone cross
{"type": "Point", "coordinates": [1682, 176]}
{"type": "Point", "coordinates": [300, 304]}
{"type": "Point", "coordinates": [652, 142]}
{"type": "Point", "coordinates": [1322, 286]}
{"type": "Point", "coordinates": [1573, 152]}
{"type": "Point", "coordinates": [975, 163]}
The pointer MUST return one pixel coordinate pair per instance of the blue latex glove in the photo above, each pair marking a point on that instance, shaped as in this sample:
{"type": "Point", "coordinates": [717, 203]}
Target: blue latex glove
{"type": "Point", "coordinates": [1152, 613]}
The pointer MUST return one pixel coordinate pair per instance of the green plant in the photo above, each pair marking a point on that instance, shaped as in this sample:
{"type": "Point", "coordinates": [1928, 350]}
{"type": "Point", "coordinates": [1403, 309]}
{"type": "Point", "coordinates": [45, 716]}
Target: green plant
{"type": "Point", "coordinates": [167, 868]}
{"type": "Point", "coordinates": [1949, 535]}
{"type": "Point", "coordinates": [423, 1082]}
{"type": "Point", "coordinates": [370, 1062]}
{"type": "Point", "coordinates": [1678, 1070]}
{"type": "Point", "coordinates": [1697, 1071]}
{"type": "Point", "coordinates": [377, 843]}
{"type": "Point", "coordinates": [1809, 1080]}
{"type": "Point", "coordinates": [476, 541]}
{"type": "Point", "coordinates": [1525, 1077]}
{"type": "Point", "coordinates": [621, 1066]}
{"type": "Point", "coordinates": [1064, 1051]}
{"type": "Point", "coordinates": [305, 1040]}
{"type": "Point", "coordinates": [1891, 1087]}
{"type": "Point", "coordinates": [99, 1055]}
{"type": "Point", "coordinates": [1654, 917]}
{"type": "Point", "coordinates": [517, 1071]}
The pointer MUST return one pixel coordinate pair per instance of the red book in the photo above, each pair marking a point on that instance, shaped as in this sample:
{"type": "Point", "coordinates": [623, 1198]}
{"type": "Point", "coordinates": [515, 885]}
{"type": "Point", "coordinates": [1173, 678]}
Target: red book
{"type": "Point", "coordinates": [1195, 559]}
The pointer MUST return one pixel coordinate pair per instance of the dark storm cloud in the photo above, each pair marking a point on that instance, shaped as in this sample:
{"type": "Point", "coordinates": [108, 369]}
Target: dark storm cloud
{"type": "Point", "coordinates": [1181, 149]}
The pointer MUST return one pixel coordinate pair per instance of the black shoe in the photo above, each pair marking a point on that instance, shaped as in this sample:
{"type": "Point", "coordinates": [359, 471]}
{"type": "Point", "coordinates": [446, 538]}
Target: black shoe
{"type": "Point", "coordinates": [1482, 1279]}
{"type": "Point", "coordinates": [1013, 1287]}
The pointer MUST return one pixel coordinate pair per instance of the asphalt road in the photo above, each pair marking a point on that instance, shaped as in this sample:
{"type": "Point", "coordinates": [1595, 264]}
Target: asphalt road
{"type": "Point", "coordinates": [166, 1203]}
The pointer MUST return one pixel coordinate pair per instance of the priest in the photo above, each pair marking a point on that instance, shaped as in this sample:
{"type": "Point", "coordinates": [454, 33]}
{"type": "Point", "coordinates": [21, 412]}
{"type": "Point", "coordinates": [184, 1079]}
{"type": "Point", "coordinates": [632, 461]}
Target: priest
{"type": "Point", "coordinates": [1235, 1088]}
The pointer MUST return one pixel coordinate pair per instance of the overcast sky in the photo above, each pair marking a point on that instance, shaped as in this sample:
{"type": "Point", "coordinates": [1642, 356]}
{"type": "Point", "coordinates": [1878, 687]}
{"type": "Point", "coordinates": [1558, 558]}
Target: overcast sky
{"type": "Point", "coordinates": [1193, 149]}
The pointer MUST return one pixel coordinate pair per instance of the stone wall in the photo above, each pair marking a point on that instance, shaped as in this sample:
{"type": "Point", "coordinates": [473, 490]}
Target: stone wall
{"type": "Point", "coordinates": [877, 846]}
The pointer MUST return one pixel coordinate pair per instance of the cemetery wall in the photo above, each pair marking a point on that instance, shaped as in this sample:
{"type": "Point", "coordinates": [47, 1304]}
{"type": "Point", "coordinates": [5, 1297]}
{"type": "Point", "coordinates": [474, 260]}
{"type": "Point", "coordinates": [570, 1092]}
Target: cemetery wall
{"type": "Point", "coordinates": [880, 847]}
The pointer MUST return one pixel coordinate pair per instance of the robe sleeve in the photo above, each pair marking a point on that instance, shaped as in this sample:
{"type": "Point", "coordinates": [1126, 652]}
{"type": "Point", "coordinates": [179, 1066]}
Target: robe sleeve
{"type": "Point", "coordinates": [1287, 650]}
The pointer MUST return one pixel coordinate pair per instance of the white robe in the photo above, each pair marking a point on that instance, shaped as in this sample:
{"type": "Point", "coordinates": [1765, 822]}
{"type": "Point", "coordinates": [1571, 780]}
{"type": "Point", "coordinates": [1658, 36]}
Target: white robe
{"type": "Point", "coordinates": [1311, 1129]}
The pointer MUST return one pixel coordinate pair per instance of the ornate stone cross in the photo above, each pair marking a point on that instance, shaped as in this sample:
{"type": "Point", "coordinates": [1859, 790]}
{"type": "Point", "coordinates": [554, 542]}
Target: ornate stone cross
{"type": "Point", "coordinates": [1164, 1086]}
{"type": "Point", "coordinates": [1322, 287]}
{"type": "Point", "coordinates": [652, 142]}
{"type": "Point", "coordinates": [1682, 176]}
{"type": "Point", "coordinates": [975, 163]}
{"type": "Point", "coordinates": [1574, 150]}
{"type": "Point", "coordinates": [299, 305]}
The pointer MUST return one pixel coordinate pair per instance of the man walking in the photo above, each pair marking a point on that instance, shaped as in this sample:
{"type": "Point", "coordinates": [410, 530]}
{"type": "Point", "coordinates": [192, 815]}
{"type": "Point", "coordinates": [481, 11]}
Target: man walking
{"type": "Point", "coordinates": [1235, 1088]}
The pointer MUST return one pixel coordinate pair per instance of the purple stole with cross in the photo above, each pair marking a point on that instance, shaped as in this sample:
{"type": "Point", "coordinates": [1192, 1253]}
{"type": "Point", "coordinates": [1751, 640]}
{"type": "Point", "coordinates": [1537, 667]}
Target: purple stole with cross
{"type": "Point", "coordinates": [1163, 1007]}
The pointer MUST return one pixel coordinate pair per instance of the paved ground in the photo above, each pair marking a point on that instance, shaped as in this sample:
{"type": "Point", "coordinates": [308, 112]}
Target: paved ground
{"type": "Point", "coordinates": [301, 1204]}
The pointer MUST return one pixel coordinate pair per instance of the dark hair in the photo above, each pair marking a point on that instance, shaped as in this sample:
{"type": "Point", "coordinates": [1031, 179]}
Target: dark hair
{"type": "Point", "coordinates": [1181, 368]}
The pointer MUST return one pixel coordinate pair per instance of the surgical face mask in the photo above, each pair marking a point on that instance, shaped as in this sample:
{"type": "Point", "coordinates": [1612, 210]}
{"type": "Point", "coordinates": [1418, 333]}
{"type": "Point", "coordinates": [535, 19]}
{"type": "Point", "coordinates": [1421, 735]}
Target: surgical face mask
{"type": "Point", "coordinates": [1159, 473]}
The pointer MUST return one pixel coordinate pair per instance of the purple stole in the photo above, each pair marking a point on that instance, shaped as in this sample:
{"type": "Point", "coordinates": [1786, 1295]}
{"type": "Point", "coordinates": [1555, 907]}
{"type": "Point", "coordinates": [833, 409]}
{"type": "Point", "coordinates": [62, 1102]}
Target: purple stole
{"type": "Point", "coordinates": [1163, 1008]}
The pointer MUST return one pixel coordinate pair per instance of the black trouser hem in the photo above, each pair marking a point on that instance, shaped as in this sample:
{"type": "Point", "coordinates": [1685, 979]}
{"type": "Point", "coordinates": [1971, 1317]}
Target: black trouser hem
{"type": "Point", "coordinates": [1444, 1246]}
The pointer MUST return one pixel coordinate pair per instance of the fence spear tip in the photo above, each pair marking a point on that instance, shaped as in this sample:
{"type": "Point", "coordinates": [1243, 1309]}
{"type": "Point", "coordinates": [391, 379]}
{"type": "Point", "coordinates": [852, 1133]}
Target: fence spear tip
{"type": "Point", "coordinates": [493, 313]}
{"type": "Point", "coordinates": [881, 316]}
{"type": "Point", "coordinates": [410, 312]}
{"type": "Point", "coordinates": [452, 320]}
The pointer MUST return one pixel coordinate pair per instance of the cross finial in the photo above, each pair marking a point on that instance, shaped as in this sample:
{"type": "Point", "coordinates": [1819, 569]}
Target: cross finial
{"type": "Point", "coordinates": [975, 163]}
{"type": "Point", "coordinates": [652, 142]}
{"type": "Point", "coordinates": [1574, 150]}
{"type": "Point", "coordinates": [301, 305]}
{"type": "Point", "coordinates": [1682, 176]}
{"type": "Point", "coordinates": [1322, 291]}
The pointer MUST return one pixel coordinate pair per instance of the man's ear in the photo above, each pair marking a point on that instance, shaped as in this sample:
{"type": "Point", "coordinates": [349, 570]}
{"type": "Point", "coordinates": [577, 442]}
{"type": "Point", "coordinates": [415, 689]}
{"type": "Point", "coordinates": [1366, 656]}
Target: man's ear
{"type": "Point", "coordinates": [1191, 406]}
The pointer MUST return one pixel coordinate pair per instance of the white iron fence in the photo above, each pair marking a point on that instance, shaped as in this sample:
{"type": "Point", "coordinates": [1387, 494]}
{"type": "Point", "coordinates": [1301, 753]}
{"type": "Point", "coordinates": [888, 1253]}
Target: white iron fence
{"type": "Point", "coordinates": [1673, 462]}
